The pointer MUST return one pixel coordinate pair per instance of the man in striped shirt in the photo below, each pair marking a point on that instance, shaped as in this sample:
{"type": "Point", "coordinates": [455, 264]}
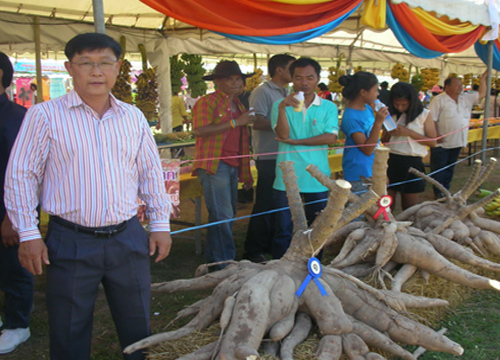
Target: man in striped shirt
{"type": "Point", "coordinates": [86, 157]}
{"type": "Point", "coordinates": [220, 125]}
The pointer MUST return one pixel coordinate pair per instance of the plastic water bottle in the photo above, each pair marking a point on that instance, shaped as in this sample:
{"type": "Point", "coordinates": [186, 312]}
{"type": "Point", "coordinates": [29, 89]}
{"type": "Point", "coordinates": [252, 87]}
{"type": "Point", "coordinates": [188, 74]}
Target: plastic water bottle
{"type": "Point", "coordinates": [389, 124]}
{"type": "Point", "coordinates": [299, 97]}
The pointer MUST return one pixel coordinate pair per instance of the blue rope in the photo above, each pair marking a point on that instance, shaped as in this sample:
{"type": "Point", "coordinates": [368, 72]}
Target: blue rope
{"type": "Point", "coordinates": [317, 201]}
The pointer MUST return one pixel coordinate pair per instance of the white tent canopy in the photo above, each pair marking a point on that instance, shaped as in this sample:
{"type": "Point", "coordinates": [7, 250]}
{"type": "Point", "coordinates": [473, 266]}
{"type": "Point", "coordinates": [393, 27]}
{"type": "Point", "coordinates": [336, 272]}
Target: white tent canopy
{"type": "Point", "coordinates": [163, 37]}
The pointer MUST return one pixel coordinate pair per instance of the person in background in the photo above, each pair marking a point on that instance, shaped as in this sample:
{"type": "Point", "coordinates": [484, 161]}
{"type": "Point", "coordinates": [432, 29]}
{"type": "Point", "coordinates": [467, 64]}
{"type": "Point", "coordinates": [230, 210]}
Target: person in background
{"type": "Point", "coordinates": [86, 158]}
{"type": "Point", "coordinates": [34, 94]}
{"type": "Point", "coordinates": [360, 127]}
{"type": "Point", "coordinates": [436, 90]}
{"type": "Point", "coordinates": [261, 227]}
{"type": "Point", "coordinates": [179, 114]}
{"type": "Point", "coordinates": [303, 138]}
{"type": "Point", "coordinates": [408, 143]}
{"type": "Point", "coordinates": [494, 107]}
{"type": "Point", "coordinates": [15, 281]}
{"type": "Point", "coordinates": [220, 127]}
{"type": "Point", "coordinates": [324, 93]}
{"type": "Point", "coordinates": [383, 95]}
{"type": "Point", "coordinates": [451, 112]}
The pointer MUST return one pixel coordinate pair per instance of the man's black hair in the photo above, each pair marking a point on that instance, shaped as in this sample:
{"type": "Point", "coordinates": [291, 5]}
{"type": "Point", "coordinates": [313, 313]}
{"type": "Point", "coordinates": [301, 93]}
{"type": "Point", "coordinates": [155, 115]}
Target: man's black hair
{"type": "Point", "coordinates": [448, 80]}
{"type": "Point", "coordinates": [303, 62]}
{"type": "Point", "coordinates": [276, 61]}
{"type": "Point", "coordinates": [91, 42]}
{"type": "Point", "coordinates": [8, 70]}
{"type": "Point", "coordinates": [322, 86]}
{"type": "Point", "coordinates": [384, 84]}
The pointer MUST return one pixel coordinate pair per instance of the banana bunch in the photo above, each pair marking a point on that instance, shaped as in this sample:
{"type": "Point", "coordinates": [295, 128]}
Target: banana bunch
{"type": "Point", "coordinates": [194, 71]}
{"type": "Point", "coordinates": [497, 83]}
{"type": "Point", "coordinates": [467, 79]}
{"type": "Point", "coordinates": [430, 77]}
{"type": "Point", "coordinates": [492, 208]}
{"type": "Point", "coordinates": [399, 72]}
{"type": "Point", "coordinates": [122, 89]}
{"type": "Point", "coordinates": [176, 73]}
{"type": "Point", "coordinates": [147, 95]}
{"type": "Point", "coordinates": [334, 74]}
{"type": "Point", "coordinates": [333, 77]}
{"type": "Point", "coordinates": [254, 81]}
{"type": "Point", "coordinates": [173, 137]}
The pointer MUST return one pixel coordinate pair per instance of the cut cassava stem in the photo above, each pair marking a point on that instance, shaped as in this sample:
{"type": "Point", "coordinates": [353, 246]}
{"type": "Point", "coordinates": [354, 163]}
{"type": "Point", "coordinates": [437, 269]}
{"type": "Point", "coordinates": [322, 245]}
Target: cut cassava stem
{"type": "Point", "coordinates": [433, 182]}
{"type": "Point", "coordinates": [293, 195]}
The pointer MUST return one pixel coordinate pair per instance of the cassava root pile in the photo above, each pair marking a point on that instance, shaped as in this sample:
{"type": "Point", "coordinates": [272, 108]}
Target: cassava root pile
{"type": "Point", "coordinates": [423, 237]}
{"type": "Point", "coordinates": [256, 302]}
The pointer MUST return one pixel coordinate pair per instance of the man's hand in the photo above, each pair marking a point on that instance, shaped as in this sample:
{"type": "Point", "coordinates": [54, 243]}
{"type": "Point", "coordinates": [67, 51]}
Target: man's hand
{"type": "Point", "coordinates": [9, 235]}
{"type": "Point", "coordinates": [247, 185]}
{"type": "Point", "coordinates": [287, 141]}
{"type": "Point", "coordinates": [163, 241]}
{"type": "Point", "coordinates": [31, 255]}
{"type": "Point", "coordinates": [248, 117]}
{"type": "Point", "coordinates": [290, 100]}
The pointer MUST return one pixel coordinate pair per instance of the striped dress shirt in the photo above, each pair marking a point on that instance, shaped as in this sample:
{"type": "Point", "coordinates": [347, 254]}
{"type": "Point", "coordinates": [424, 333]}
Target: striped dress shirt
{"type": "Point", "coordinates": [83, 168]}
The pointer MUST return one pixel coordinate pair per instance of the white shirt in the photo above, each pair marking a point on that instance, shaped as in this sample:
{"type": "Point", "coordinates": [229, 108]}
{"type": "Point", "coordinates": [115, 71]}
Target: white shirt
{"type": "Point", "coordinates": [450, 116]}
{"type": "Point", "coordinates": [405, 145]}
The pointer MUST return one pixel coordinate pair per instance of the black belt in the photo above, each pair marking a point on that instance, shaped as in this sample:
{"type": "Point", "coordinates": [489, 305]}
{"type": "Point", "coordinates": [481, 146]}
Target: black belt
{"type": "Point", "coordinates": [105, 231]}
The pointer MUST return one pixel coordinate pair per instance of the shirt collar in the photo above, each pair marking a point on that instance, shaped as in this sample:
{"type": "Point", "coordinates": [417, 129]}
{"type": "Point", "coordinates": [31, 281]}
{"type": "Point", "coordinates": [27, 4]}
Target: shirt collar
{"type": "Point", "coordinates": [74, 100]}
{"type": "Point", "coordinates": [316, 101]}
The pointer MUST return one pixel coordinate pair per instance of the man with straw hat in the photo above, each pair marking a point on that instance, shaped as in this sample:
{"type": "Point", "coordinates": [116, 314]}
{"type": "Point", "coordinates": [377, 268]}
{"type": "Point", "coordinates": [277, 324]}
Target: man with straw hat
{"type": "Point", "coordinates": [220, 126]}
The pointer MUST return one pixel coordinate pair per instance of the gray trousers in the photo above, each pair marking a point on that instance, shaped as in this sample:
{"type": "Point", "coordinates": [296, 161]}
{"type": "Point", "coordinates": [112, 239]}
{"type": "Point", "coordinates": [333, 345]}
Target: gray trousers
{"type": "Point", "coordinates": [78, 264]}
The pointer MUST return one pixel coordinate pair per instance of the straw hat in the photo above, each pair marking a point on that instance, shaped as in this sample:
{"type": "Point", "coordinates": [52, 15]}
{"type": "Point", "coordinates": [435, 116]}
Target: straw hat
{"type": "Point", "coordinates": [226, 68]}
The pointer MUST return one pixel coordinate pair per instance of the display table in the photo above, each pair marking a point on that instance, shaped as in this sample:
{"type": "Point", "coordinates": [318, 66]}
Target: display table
{"type": "Point", "coordinates": [191, 190]}
{"type": "Point", "coordinates": [178, 146]}
{"type": "Point", "coordinates": [476, 134]}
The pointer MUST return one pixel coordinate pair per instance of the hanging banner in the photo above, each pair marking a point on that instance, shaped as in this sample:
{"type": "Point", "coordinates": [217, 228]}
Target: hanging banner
{"type": "Point", "coordinates": [23, 93]}
{"type": "Point", "coordinates": [57, 87]}
{"type": "Point", "coordinates": [171, 176]}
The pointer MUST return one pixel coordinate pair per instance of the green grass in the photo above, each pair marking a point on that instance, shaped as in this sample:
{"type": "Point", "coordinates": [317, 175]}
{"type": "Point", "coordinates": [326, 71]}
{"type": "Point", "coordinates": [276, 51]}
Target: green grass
{"type": "Point", "coordinates": [474, 325]}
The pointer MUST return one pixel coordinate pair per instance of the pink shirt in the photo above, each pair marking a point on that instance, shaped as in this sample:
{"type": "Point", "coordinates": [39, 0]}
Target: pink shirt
{"type": "Point", "coordinates": [82, 168]}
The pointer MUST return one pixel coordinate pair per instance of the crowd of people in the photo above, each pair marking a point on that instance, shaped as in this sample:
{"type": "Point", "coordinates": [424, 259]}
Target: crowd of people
{"type": "Point", "coordinates": [85, 158]}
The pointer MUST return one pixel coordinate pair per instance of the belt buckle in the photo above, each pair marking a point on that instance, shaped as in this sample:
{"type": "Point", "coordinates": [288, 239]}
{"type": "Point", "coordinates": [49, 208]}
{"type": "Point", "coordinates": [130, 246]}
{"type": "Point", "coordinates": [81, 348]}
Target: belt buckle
{"type": "Point", "coordinates": [105, 233]}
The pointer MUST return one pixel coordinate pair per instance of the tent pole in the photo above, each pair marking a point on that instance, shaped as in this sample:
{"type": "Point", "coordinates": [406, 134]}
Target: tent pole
{"type": "Point", "coordinates": [38, 60]}
{"type": "Point", "coordinates": [98, 16]}
{"type": "Point", "coordinates": [487, 102]}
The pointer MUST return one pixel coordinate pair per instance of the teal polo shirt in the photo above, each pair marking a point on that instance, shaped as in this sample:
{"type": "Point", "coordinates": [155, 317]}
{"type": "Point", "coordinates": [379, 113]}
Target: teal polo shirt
{"type": "Point", "coordinates": [321, 117]}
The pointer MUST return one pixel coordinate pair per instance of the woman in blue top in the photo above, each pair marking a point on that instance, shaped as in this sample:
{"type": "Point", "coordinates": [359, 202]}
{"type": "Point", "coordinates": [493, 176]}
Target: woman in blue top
{"type": "Point", "coordinates": [360, 126]}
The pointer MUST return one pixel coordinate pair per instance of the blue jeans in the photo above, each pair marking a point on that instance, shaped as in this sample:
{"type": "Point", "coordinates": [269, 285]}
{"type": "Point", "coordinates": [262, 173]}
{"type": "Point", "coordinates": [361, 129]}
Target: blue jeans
{"type": "Point", "coordinates": [221, 194]}
{"type": "Point", "coordinates": [284, 226]}
{"type": "Point", "coordinates": [440, 158]}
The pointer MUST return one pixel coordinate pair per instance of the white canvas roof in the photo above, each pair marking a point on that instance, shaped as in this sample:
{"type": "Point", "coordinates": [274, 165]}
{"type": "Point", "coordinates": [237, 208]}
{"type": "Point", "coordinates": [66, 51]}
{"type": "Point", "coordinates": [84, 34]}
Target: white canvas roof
{"type": "Point", "coordinates": [163, 36]}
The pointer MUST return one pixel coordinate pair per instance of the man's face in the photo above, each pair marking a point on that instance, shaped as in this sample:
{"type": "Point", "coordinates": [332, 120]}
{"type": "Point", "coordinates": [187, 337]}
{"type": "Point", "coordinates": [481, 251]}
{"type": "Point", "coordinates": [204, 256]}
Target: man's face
{"type": "Point", "coordinates": [94, 73]}
{"type": "Point", "coordinates": [231, 85]}
{"type": "Point", "coordinates": [455, 88]}
{"type": "Point", "coordinates": [305, 79]}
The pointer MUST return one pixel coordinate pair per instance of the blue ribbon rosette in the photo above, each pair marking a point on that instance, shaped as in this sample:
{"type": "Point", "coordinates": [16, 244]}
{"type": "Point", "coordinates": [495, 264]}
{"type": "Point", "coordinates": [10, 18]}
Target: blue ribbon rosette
{"type": "Point", "coordinates": [315, 271]}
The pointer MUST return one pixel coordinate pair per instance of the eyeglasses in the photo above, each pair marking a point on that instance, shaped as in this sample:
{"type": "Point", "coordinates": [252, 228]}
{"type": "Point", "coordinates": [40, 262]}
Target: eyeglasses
{"type": "Point", "coordinates": [103, 65]}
